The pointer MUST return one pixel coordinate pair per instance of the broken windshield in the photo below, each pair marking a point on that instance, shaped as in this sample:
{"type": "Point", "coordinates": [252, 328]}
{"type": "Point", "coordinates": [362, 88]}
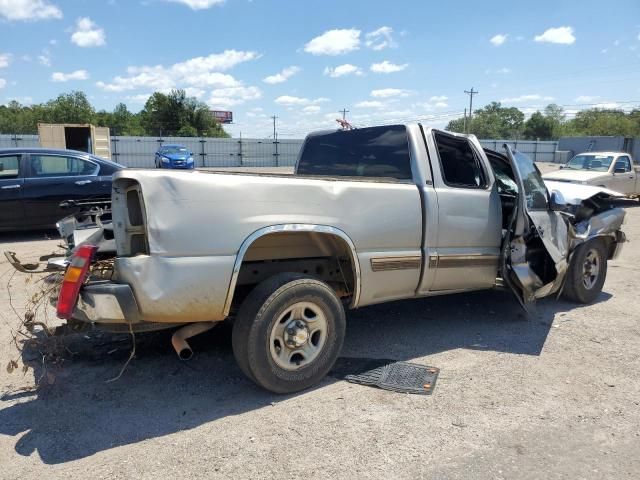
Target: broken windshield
{"type": "Point", "coordinates": [598, 163]}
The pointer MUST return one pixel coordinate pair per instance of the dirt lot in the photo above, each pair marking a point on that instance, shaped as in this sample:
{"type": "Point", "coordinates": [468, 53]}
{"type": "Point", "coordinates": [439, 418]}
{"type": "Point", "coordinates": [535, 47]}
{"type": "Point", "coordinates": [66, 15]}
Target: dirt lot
{"type": "Point", "coordinates": [556, 395]}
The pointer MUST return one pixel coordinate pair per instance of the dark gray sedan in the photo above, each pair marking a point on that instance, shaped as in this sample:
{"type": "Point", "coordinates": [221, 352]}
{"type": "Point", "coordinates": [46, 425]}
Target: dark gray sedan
{"type": "Point", "coordinates": [34, 182]}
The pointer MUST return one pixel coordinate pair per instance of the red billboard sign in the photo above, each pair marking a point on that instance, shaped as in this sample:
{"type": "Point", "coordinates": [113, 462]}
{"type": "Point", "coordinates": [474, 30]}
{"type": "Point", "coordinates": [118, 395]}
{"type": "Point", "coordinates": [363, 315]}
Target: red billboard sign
{"type": "Point", "coordinates": [222, 116]}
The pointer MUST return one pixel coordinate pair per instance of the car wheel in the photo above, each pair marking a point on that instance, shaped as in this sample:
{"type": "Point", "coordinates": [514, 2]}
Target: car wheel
{"type": "Point", "coordinates": [587, 272]}
{"type": "Point", "coordinates": [288, 332]}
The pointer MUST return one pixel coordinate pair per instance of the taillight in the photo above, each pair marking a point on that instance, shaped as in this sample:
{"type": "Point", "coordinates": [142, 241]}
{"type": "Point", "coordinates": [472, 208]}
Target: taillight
{"type": "Point", "coordinates": [73, 279]}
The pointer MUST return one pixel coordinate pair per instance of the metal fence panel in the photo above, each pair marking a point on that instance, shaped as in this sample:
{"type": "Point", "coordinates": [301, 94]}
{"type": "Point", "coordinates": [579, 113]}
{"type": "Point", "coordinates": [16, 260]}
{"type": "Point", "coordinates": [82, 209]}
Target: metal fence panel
{"type": "Point", "coordinates": [25, 141]}
{"type": "Point", "coordinates": [139, 152]}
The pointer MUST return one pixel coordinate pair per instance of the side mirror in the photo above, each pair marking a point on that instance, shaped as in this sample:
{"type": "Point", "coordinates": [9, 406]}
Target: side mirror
{"type": "Point", "coordinates": [561, 167]}
{"type": "Point", "coordinates": [620, 170]}
{"type": "Point", "coordinates": [557, 201]}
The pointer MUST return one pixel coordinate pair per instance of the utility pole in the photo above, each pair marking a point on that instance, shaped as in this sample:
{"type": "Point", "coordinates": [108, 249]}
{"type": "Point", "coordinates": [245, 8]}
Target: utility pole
{"type": "Point", "coordinates": [275, 139]}
{"type": "Point", "coordinates": [344, 112]}
{"type": "Point", "coordinates": [471, 93]}
{"type": "Point", "coordinates": [464, 124]}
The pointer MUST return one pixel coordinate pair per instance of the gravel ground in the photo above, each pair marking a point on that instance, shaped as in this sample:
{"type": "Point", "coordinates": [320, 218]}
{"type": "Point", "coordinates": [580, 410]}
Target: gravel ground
{"type": "Point", "coordinates": [552, 396]}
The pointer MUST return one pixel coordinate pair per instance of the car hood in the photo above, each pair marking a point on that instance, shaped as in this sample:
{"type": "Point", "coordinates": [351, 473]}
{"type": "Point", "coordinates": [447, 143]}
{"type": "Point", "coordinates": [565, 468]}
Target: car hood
{"type": "Point", "coordinates": [575, 194]}
{"type": "Point", "coordinates": [569, 175]}
{"type": "Point", "coordinates": [176, 156]}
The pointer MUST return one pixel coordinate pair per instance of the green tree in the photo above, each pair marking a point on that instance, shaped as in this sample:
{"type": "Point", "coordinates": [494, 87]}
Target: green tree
{"type": "Point", "coordinates": [179, 115]}
{"type": "Point", "coordinates": [492, 121]}
{"type": "Point", "coordinates": [71, 107]}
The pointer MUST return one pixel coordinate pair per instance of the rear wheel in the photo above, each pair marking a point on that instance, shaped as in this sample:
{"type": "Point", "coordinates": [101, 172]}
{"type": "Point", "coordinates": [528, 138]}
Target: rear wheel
{"type": "Point", "coordinates": [289, 332]}
{"type": "Point", "coordinates": [587, 272]}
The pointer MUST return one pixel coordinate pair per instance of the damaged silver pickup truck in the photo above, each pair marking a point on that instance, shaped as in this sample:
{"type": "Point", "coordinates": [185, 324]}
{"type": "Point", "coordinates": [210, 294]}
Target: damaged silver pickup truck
{"type": "Point", "coordinates": [370, 215]}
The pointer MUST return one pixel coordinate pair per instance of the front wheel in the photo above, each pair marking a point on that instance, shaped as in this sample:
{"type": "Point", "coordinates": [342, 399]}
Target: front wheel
{"type": "Point", "coordinates": [289, 332]}
{"type": "Point", "coordinates": [587, 272]}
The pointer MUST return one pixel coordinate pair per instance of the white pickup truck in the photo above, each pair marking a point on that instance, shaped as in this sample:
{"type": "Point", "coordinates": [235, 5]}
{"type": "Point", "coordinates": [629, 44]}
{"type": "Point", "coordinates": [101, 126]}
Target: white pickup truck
{"type": "Point", "coordinates": [612, 170]}
{"type": "Point", "coordinates": [370, 215]}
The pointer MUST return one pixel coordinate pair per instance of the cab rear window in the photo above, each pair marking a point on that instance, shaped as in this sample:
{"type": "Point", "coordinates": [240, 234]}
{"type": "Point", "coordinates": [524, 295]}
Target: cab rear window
{"type": "Point", "coordinates": [381, 152]}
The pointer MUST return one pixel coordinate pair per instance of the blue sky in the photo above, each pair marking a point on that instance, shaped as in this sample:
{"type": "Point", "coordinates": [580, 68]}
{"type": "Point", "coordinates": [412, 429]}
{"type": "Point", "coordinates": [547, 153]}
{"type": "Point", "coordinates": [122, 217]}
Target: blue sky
{"type": "Point", "coordinates": [305, 60]}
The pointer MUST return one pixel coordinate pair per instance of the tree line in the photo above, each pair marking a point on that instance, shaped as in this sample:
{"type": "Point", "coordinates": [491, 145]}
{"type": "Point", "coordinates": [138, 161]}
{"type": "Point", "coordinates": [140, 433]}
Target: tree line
{"type": "Point", "coordinates": [496, 121]}
{"type": "Point", "coordinates": [172, 114]}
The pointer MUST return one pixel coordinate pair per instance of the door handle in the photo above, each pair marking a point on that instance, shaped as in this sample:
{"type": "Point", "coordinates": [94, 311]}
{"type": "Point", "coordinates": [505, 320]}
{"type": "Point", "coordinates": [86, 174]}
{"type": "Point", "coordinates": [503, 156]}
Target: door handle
{"type": "Point", "coordinates": [631, 176]}
{"type": "Point", "coordinates": [9, 187]}
{"type": "Point", "coordinates": [83, 182]}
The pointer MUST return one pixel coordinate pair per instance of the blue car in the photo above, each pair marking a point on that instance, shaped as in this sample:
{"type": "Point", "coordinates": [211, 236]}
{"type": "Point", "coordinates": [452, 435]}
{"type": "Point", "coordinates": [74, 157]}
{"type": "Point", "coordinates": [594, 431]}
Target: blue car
{"type": "Point", "coordinates": [174, 156]}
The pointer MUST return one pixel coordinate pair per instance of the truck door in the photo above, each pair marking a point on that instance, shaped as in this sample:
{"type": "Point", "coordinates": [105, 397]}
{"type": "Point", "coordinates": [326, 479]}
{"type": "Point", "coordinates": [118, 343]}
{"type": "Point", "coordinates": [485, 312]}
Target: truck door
{"type": "Point", "coordinates": [11, 185]}
{"type": "Point", "coordinates": [624, 176]}
{"type": "Point", "coordinates": [464, 250]}
{"type": "Point", "coordinates": [534, 259]}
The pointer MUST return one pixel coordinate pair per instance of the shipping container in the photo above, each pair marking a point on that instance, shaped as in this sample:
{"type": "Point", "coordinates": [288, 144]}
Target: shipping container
{"type": "Point", "coordinates": [82, 137]}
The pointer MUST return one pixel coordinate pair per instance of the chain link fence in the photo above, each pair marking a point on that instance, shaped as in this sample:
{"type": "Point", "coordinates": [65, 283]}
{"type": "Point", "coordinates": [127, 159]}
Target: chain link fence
{"type": "Point", "coordinates": [139, 152]}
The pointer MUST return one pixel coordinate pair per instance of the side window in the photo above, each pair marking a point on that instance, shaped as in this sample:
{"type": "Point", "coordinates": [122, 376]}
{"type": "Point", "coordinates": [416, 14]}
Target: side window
{"type": "Point", "coordinates": [459, 163]}
{"type": "Point", "coordinates": [60, 166]}
{"type": "Point", "coordinates": [9, 166]}
{"type": "Point", "coordinates": [623, 162]}
{"type": "Point", "coordinates": [381, 152]}
{"type": "Point", "coordinates": [534, 188]}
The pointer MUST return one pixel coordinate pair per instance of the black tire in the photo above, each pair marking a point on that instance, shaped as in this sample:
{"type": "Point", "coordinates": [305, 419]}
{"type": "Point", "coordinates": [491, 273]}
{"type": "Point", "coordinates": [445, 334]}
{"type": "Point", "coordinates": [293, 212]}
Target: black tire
{"type": "Point", "coordinates": [253, 326]}
{"type": "Point", "coordinates": [575, 288]}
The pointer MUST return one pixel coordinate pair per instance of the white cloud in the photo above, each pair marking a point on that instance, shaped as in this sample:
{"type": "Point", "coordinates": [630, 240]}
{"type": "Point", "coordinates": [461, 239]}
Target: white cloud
{"type": "Point", "coordinates": [387, 67]}
{"type": "Point", "coordinates": [3, 82]}
{"type": "Point", "coordinates": [499, 39]}
{"type": "Point", "coordinates": [311, 109]}
{"type": "Point", "coordinates": [380, 39]}
{"type": "Point", "coordinates": [370, 104]}
{"type": "Point", "coordinates": [138, 99]}
{"type": "Point", "coordinates": [5, 59]}
{"type": "Point", "coordinates": [342, 70]}
{"type": "Point", "coordinates": [28, 10]}
{"type": "Point", "coordinates": [586, 98]}
{"type": "Point", "coordinates": [198, 72]}
{"type": "Point", "coordinates": [562, 35]}
{"type": "Point", "coordinates": [88, 34]}
{"type": "Point", "coordinates": [45, 58]}
{"type": "Point", "coordinates": [198, 4]}
{"type": "Point", "coordinates": [65, 77]}
{"type": "Point", "coordinates": [283, 76]}
{"type": "Point", "coordinates": [227, 97]}
{"type": "Point", "coordinates": [435, 102]}
{"type": "Point", "coordinates": [289, 101]}
{"type": "Point", "coordinates": [389, 92]}
{"type": "Point", "coordinates": [526, 98]}
{"type": "Point", "coordinates": [334, 42]}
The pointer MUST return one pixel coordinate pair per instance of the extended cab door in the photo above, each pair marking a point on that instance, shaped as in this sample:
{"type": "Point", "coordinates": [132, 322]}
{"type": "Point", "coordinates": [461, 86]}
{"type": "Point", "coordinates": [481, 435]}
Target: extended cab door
{"type": "Point", "coordinates": [535, 251]}
{"type": "Point", "coordinates": [463, 243]}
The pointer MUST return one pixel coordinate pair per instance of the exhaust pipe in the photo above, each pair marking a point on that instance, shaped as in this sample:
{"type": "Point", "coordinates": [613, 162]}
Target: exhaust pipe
{"type": "Point", "coordinates": [179, 338]}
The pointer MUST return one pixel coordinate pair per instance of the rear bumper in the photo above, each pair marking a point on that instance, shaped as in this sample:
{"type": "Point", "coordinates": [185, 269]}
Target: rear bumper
{"type": "Point", "coordinates": [107, 302]}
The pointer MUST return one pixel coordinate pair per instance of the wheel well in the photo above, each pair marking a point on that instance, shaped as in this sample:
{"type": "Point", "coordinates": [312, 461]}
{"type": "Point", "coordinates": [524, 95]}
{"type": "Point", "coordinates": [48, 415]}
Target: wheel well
{"type": "Point", "coordinates": [324, 256]}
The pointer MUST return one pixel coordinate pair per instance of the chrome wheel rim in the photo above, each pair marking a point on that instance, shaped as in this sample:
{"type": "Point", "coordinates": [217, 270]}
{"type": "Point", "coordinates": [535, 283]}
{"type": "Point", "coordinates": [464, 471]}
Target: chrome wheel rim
{"type": "Point", "coordinates": [298, 335]}
{"type": "Point", "coordinates": [590, 269]}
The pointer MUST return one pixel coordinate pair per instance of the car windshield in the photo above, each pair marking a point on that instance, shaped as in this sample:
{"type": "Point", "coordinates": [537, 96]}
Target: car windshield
{"type": "Point", "coordinates": [598, 163]}
{"type": "Point", "coordinates": [174, 149]}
